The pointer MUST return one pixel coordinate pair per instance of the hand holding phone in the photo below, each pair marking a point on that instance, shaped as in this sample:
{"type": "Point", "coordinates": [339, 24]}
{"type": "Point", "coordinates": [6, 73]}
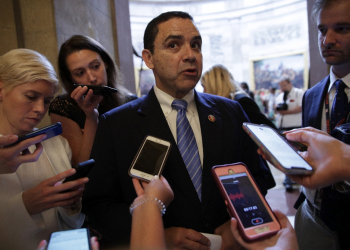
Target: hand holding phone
{"type": "Point", "coordinates": [245, 202]}
{"type": "Point", "coordinates": [82, 170]}
{"type": "Point", "coordinates": [12, 157]}
{"type": "Point", "coordinates": [150, 159]}
{"type": "Point", "coordinates": [280, 153]}
{"type": "Point", "coordinates": [50, 131]}
{"type": "Point", "coordinates": [98, 89]}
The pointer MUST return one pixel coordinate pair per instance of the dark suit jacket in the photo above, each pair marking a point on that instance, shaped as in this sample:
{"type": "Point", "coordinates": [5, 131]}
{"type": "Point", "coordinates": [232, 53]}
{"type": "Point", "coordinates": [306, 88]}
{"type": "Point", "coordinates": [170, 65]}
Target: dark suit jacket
{"type": "Point", "coordinates": [313, 102]}
{"type": "Point", "coordinates": [120, 133]}
{"type": "Point", "coordinates": [335, 205]}
{"type": "Point", "coordinates": [253, 111]}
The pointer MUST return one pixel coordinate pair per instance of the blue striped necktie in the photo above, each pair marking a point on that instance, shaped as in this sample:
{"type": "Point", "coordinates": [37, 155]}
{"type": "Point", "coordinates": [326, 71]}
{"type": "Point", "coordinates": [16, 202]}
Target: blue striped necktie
{"type": "Point", "coordinates": [187, 145]}
{"type": "Point", "coordinates": [340, 102]}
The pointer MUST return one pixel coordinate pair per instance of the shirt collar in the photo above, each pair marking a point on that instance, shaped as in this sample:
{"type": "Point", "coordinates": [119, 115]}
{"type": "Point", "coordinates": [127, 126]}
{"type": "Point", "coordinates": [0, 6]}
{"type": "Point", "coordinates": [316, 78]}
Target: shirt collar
{"type": "Point", "coordinates": [333, 78]}
{"type": "Point", "coordinates": [165, 100]}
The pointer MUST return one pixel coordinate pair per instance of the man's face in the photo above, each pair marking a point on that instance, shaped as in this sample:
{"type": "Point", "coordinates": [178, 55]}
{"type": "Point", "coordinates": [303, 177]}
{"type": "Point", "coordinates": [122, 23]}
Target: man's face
{"type": "Point", "coordinates": [177, 58]}
{"type": "Point", "coordinates": [285, 86]}
{"type": "Point", "coordinates": [333, 25]}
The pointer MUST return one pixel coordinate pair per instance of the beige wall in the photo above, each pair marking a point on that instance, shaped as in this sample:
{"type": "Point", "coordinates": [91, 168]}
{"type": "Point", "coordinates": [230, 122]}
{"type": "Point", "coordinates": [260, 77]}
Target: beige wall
{"type": "Point", "coordinates": [8, 36]}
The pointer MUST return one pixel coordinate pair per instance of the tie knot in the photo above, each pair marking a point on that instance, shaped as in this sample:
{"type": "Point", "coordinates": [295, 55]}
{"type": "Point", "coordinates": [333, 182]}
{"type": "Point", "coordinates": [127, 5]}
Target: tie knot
{"type": "Point", "coordinates": [179, 104]}
{"type": "Point", "coordinates": [340, 84]}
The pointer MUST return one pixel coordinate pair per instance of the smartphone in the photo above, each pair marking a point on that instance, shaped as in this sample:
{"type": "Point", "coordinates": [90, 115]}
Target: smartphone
{"type": "Point", "coordinates": [244, 201]}
{"type": "Point", "coordinates": [280, 153]}
{"type": "Point", "coordinates": [82, 170]}
{"type": "Point", "coordinates": [98, 89]}
{"type": "Point", "coordinates": [76, 239]}
{"type": "Point", "coordinates": [297, 146]}
{"type": "Point", "coordinates": [50, 131]}
{"type": "Point", "coordinates": [150, 158]}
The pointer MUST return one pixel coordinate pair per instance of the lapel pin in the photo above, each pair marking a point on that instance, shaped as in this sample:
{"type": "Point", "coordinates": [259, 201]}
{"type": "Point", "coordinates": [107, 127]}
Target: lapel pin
{"type": "Point", "coordinates": [211, 118]}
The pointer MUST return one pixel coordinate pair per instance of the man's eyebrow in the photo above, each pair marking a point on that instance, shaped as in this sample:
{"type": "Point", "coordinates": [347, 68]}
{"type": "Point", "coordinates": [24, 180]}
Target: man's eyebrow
{"type": "Point", "coordinates": [176, 37]}
{"type": "Point", "coordinates": [197, 38]}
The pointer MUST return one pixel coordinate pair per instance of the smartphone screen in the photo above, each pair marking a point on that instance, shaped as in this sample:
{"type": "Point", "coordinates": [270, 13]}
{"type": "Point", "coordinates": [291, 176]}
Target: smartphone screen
{"type": "Point", "coordinates": [279, 149]}
{"type": "Point", "coordinates": [77, 239]}
{"type": "Point", "coordinates": [255, 219]}
{"type": "Point", "coordinates": [245, 200]}
{"type": "Point", "coordinates": [150, 159]}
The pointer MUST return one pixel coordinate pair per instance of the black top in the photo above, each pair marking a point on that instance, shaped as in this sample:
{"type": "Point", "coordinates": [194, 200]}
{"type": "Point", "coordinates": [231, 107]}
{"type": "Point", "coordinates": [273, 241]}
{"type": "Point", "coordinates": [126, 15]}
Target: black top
{"type": "Point", "coordinates": [252, 110]}
{"type": "Point", "coordinates": [65, 106]}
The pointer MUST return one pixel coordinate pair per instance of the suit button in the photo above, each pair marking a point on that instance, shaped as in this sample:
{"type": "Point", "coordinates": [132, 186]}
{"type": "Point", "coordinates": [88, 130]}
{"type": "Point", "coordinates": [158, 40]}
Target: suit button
{"type": "Point", "coordinates": [205, 224]}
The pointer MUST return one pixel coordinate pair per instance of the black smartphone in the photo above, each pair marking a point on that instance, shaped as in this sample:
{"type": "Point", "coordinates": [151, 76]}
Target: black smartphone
{"type": "Point", "coordinates": [281, 154]}
{"type": "Point", "coordinates": [76, 239]}
{"type": "Point", "coordinates": [99, 89]}
{"type": "Point", "coordinates": [82, 170]}
{"type": "Point", "coordinates": [244, 201]}
{"type": "Point", "coordinates": [150, 159]}
{"type": "Point", "coordinates": [50, 131]}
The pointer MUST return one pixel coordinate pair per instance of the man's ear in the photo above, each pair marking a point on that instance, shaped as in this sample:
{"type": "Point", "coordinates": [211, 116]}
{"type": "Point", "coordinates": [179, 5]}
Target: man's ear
{"type": "Point", "coordinates": [148, 58]}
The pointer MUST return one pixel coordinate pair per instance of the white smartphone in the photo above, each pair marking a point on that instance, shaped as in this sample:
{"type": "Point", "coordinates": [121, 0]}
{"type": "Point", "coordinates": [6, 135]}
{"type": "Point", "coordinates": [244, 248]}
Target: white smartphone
{"type": "Point", "coordinates": [77, 239]}
{"type": "Point", "coordinates": [280, 153]}
{"type": "Point", "coordinates": [244, 201]}
{"type": "Point", "coordinates": [150, 159]}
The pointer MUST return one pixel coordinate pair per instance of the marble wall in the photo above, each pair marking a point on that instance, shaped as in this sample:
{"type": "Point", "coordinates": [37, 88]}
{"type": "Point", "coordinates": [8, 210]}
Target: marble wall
{"type": "Point", "coordinates": [236, 32]}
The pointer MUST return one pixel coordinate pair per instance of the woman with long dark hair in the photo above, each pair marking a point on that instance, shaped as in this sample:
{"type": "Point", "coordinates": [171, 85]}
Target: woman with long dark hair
{"type": "Point", "coordinates": [82, 60]}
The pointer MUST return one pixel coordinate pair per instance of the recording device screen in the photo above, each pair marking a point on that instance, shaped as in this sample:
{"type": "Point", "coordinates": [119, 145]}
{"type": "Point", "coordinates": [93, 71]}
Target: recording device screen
{"type": "Point", "coordinates": [245, 200]}
{"type": "Point", "coordinates": [151, 158]}
{"type": "Point", "coordinates": [77, 239]}
{"type": "Point", "coordinates": [278, 148]}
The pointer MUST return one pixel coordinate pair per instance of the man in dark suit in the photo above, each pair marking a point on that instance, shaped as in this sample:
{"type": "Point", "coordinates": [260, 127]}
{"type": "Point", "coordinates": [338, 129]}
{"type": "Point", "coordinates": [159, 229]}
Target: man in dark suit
{"type": "Point", "coordinates": [322, 221]}
{"type": "Point", "coordinates": [173, 51]}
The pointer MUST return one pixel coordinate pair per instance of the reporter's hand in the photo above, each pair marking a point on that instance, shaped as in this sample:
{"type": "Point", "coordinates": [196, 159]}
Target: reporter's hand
{"type": "Point", "coordinates": [329, 158]}
{"type": "Point", "coordinates": [285, 239]}
{"type": "Point", "coordinates": [228, 241]}
{"type": "Point", "coordinates": [12, 157]}
{"type": "Point", "coordinates": [88, 103]}
{"type": "Point", "coordinates": [94, 243]}
{"type": "Point", "coordinates": [42, 245]}
{"type": "Point", "coordinates": [47, 194]}
{"type": "Point", "coordinates": [182, 238]}
{"type": "Point", "coordinates": [157, 188]}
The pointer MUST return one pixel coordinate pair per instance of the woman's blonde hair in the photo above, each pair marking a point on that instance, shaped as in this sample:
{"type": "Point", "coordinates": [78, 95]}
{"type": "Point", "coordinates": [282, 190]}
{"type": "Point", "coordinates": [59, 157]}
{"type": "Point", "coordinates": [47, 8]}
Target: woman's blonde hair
{"type": "Point", "coordinates": [20, 66]}
{"type": "Point", "coordinates": [219, 81]}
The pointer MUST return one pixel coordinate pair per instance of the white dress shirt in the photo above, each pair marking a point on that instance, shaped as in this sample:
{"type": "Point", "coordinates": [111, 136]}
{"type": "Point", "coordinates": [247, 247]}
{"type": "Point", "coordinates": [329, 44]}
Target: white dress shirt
{"type": "Point", "coordinates": [165, 100]}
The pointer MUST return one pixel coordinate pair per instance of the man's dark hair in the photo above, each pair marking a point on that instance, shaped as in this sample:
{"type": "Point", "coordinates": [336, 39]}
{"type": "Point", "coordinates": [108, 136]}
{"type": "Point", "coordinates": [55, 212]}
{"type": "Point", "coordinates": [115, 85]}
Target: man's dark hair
{"type": "Point", "coordinates": [152, 27]}
{"type": "Point", "coordinates": [322, 4]}
{"type": "Point", "coordinates": [244, 85]}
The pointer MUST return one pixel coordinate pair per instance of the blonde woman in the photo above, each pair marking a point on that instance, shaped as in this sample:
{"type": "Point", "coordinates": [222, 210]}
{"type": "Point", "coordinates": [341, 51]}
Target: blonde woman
{"type": "Point", "coordinates": [219, 81]}
{"type": "Point", "coordinates": [31, 203]}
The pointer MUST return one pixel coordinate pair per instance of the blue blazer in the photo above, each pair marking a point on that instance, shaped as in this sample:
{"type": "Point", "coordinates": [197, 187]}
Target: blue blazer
{"type": "Point", "coordinates": [110, 191]}
{"type": "Point", "coordinates": [313, 101]}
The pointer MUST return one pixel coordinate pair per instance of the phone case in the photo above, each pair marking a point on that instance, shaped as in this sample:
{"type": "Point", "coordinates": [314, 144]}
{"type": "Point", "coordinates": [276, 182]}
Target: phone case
{"type": "Point", "coordinates": [293, 171]}
{"type": "Point", "coordinates": [232, 211]}
{"type": "Point", "coordinates": [50, 131]}
{"type": "Point", "coordinates": [137, 154]}
{"type": "Point", "coordinates": [82, 170]}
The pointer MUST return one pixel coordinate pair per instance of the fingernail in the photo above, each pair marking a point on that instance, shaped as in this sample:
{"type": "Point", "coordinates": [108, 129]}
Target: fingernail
{"type": "Point", "coordinates": [156, 177]}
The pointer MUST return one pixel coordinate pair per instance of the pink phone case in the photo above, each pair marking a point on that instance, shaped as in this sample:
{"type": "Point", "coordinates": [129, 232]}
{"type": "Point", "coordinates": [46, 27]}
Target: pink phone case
{"type": "Point", "coordinates": [251, 233]}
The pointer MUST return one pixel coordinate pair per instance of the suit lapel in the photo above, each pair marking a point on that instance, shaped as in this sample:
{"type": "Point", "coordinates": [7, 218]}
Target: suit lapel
{"type": "Point", "coordinates": [152, 121]}
{"type": "Point", "coordinates": [212, 141]}
{"type": "Point", "coordinates": [317, 103]}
